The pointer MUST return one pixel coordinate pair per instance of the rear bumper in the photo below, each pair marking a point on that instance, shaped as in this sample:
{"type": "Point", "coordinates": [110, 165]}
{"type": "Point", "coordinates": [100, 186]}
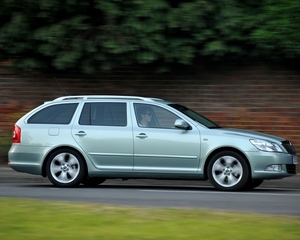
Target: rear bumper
{"type": "Point", "coordinates": [26, 159]}
{"type": "Point", "coordinates": [26, 168]}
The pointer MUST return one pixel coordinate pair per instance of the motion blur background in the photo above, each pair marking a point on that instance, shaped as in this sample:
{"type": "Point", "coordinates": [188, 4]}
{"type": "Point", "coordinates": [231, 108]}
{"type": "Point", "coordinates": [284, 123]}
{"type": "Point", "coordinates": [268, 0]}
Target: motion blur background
{"type": "Point", "coordinates": [234, 61]}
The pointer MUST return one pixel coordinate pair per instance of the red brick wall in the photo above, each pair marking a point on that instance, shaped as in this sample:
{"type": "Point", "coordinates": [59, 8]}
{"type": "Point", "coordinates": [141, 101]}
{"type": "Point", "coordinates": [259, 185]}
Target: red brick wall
{"type": "Point", "coordinates": [252, 96]}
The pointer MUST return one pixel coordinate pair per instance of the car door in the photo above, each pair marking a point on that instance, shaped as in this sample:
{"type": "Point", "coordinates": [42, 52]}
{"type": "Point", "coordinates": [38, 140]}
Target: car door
{"type": "Point", "coordinates": [104, 132]}
{"type": "Point", "coordinates": [161, 147]}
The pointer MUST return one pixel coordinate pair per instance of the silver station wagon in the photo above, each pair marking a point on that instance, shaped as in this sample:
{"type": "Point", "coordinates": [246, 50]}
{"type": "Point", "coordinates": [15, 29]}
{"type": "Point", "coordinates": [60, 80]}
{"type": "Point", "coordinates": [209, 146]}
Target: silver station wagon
{"type": "Point", "coordinates": [76, 140]}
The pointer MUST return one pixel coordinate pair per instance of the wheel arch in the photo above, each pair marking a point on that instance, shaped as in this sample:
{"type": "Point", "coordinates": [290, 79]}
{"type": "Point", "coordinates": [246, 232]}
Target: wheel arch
{"type": "Point", "coordinates": [44, 174]}
{"type": "Point", "coordinates": [222, 149]}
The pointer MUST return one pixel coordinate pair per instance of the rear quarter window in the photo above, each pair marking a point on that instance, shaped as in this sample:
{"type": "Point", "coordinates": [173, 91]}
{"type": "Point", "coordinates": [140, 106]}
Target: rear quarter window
{"type": "Point", "coordinates": [55, 114]}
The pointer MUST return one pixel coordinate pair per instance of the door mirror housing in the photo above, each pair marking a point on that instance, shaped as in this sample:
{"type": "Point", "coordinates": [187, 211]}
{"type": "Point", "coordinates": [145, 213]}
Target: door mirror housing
{"type": "Point", "coordinates": [181, 124]}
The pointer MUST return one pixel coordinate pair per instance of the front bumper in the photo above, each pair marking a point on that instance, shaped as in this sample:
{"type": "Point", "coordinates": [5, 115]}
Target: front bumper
{"type": "Point", "coordinates": [259, 161]}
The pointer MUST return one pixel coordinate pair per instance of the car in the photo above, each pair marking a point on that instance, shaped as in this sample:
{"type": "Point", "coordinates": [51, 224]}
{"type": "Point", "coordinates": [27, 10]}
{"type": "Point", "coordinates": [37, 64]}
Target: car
{"type": "Point", "coordinates": [86, 139]}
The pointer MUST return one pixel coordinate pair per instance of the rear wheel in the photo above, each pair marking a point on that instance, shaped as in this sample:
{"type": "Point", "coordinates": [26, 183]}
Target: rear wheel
{"type": "Point", "coordinates": [228, 171]}
{"type": "Point", "coordinates": [65, 168]}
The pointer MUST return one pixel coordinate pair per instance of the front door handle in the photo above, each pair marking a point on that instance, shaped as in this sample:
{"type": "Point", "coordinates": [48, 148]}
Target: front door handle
{"type": "Point", "coordinates": [80, 133]}
{"type": "Point", "coordinates": [142, 135]}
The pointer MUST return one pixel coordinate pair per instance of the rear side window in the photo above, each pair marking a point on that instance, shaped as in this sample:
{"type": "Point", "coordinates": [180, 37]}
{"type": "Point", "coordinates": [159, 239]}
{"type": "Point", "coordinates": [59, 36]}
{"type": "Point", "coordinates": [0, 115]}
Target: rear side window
{"type": "Point", "coordinates": [55, 114]}
{"type": "Point", "coordinates": [104, 114]}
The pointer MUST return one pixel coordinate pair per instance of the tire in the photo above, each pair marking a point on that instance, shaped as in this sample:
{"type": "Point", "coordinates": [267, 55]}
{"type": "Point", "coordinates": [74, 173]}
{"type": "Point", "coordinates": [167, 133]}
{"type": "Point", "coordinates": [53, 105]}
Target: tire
{"type": "Point", "coordinates": [65, 168]}
{"type": "Point", "coordinates": [228, 171]}
{"type": "Point", "coordinates": [253, 184]}
{"type": "Point", "coordinates": [93, 181]}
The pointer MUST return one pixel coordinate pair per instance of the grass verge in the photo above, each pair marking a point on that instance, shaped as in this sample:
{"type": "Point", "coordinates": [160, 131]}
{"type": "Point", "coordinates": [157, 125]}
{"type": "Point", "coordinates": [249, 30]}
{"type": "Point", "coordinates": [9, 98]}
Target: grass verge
{"type": "Point", "coordinates": [37, 219]}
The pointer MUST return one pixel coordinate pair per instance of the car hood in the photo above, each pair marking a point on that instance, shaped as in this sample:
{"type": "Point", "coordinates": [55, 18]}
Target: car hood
{"type": "Point", "coordinates": [249, 134]}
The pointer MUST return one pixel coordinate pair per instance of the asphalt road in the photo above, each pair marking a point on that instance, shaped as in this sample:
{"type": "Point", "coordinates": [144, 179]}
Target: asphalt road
{"type": "Point", "coordinates": [280, 197]}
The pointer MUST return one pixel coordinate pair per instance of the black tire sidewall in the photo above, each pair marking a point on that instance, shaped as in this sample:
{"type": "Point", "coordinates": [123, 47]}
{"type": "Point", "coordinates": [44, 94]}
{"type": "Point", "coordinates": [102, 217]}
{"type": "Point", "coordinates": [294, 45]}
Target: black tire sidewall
{"type": "Point", "coordinates": [246, 171]}
{"type": "Point", "coordinates": [80, 176]}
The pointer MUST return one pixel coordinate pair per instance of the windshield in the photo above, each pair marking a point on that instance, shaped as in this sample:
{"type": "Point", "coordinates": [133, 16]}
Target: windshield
{"type": "Point", "coordinates": [195, 116]}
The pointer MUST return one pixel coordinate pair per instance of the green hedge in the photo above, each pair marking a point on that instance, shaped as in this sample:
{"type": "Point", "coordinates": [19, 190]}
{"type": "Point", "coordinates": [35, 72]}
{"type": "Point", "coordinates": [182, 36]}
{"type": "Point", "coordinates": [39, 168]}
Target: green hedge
{"type": "Point", "coordinates": [5, 142]}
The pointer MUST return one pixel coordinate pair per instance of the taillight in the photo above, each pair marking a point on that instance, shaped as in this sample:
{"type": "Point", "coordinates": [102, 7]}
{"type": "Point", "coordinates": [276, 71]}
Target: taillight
{"type": "Point", "coordinates": [16, 137]}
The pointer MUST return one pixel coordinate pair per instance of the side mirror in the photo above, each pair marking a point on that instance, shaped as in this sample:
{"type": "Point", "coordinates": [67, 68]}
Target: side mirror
{"type": "Point", "coordinates": [181, 124]}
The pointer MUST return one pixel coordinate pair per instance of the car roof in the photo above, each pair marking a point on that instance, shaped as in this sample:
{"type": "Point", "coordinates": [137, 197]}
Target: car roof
{"type": "Point", "coordinates": [116, 97]}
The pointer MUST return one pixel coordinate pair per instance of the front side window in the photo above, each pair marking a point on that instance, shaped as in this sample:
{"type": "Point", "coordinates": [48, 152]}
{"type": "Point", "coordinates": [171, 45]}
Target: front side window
{"type": "Point", "coordinates": [154, 117]}
{"type": "Point", "coordinates": [195, 116]}
{"type": "Point", "coordinates": [104, 114]}
{"type": "Point", "coordinates": [55, 114]}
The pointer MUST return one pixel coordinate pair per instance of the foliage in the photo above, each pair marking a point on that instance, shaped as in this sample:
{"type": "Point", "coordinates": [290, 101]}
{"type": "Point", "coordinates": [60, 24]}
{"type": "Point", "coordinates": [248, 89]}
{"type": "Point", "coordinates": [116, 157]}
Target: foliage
{"type": "Point", "coordinates": [100, 34]}
{"type": "Point", "coordinates": [5, 143]}
{"type": "Point", "coordinates": [278, 31]}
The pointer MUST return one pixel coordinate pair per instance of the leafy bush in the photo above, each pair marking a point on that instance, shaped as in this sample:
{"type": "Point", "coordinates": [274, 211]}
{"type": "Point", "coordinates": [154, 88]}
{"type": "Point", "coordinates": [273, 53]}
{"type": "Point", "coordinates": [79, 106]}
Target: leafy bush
{"type": "Point", "coordinates": [5, 142]}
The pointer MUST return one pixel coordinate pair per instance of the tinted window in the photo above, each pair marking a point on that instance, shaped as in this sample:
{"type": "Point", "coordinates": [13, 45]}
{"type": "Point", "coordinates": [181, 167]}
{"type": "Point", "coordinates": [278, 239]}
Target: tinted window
{"type": "Point", "coordinates": [154, 117]}
{"type": "Point", "coordinates": [104, 114]}
{"type": "Point", "coordinates": [195, 116]}
{"type": "Point", "coordinates": [55, 114]}
{"type": "Point", "coordinates": [165, 118]}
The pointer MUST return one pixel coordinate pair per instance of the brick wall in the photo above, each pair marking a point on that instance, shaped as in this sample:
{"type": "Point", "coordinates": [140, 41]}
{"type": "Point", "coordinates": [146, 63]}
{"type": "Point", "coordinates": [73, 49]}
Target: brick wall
{"type": "Point", "coordinates": [248, 96]}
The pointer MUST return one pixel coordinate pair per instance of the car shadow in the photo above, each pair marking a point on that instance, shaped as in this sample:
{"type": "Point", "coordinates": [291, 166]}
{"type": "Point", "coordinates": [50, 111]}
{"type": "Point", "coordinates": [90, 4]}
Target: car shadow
{"type": "Point", "coordinates": [205, 188]}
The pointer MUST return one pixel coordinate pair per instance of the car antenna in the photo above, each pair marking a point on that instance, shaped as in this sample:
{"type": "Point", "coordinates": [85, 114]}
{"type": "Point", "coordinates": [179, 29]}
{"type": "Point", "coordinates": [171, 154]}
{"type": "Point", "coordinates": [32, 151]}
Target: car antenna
{"type": "Point", "coordinates": [61, 86]}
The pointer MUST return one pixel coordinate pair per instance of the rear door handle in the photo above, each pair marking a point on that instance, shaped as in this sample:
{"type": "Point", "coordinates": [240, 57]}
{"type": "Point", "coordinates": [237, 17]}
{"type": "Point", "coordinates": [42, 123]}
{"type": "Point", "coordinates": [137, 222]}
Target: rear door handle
{"type": "Point", "coordinates": [80, 133]}
{"type": "Point", "coordinates": [142, 135]}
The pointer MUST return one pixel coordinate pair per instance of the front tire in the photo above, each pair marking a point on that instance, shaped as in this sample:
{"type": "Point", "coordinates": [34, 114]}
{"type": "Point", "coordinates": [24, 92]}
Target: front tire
{"type": "Point", "coordinates": [65, 168]}
{"type": "Point", "coordinates": [228, 171]}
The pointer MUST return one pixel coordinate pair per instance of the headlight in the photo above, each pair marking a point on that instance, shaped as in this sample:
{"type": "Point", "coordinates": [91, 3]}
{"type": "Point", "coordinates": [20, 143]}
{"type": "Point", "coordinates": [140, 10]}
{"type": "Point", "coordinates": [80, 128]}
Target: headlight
{"type": "Point", "coordinates": [265, 146]}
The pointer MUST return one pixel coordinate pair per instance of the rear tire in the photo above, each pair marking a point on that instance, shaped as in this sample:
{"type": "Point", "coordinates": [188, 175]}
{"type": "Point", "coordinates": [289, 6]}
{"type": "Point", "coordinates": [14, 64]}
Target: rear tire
{"type": "Point", "coordinates": [65, 168]}
{"type": "Point", "coordinates": [228, 171]}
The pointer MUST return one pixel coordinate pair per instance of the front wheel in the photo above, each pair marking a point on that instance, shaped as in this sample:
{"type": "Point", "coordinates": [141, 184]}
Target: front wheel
{"type": "Point", "coordinates": [65, 168]}
{"type": "Point", "coordinates": [228, 171]}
